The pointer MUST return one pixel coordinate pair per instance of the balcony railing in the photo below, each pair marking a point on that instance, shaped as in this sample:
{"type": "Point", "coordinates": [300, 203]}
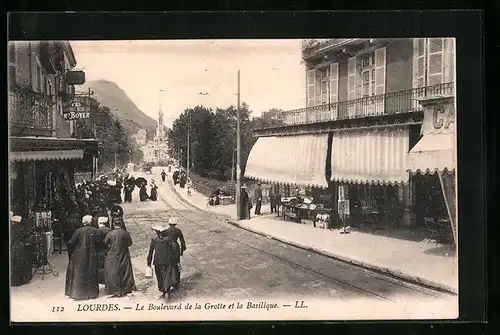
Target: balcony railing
{"type": "Point", "coordinates": [385, 104]}
{"type": "Point", "coordinates": [29, 110]}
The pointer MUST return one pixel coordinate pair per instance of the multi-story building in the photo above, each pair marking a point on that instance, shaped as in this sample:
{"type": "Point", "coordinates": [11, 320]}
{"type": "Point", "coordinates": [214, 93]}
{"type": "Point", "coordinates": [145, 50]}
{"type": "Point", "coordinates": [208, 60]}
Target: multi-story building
{"type": "Point", "coordinates": [140, 137]}
{"type": "Point", "coordinates": [43, 156]}
{"type": "Point", "coordinates": [371, 105]}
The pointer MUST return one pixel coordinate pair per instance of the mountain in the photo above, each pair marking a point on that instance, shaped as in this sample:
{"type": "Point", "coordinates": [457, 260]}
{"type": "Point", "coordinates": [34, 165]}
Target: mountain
{"type": "Point", "coordinates": [111, 95]}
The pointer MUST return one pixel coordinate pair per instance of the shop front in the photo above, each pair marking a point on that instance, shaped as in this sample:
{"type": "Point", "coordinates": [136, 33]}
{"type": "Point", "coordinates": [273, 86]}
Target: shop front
{"type": "Point", "coordinates": [295, 167]}
{"type": "Point", "coordinates": [41, 174]}
{"type": "Point", "coordinates": [369, 175]}
{"type": "Point", "coordinates": [432, 163]}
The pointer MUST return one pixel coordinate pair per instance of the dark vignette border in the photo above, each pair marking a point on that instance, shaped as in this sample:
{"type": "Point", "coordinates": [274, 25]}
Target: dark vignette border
{"type": "Point", "coordinates": [465, 25]}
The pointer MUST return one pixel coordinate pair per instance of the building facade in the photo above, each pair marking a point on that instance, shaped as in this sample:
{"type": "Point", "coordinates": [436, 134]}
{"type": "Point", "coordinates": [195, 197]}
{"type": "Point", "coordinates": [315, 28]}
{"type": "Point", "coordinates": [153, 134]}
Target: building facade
{"type": "Point", "coordinates": [43, 155]}
{"type": "Point", "coordinates": [157, 149]}
{"type": "Point", "coordinates": [364, 114]}
{"type": "Point", "coordinates": [140, 137]}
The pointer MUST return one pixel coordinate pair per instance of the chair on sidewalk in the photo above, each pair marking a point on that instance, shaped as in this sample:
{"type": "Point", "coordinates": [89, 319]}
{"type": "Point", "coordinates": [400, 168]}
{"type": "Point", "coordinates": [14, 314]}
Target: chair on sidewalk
{"type": "Point", "coordinates": [430, 223]}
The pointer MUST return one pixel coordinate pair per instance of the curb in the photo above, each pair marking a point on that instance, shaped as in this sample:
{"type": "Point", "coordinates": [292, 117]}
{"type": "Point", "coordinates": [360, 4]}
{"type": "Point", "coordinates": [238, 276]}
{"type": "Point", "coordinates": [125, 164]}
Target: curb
{"type": "Point", "coordinates": [396, 273]}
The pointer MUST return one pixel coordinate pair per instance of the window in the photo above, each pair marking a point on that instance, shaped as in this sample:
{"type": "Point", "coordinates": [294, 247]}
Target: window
{"type": "Point", "coordinates": [368, 75]}
{"type": "Point", "coordinates": [433, 61]}
{"type": "Point", "coordinates": [323, 94]}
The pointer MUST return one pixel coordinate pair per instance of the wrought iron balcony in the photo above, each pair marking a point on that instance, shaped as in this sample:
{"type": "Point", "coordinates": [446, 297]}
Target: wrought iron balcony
{"type": "Point", "coordinates": [29, 111]}
{"type": "Point", "coordinates": [384, 104]}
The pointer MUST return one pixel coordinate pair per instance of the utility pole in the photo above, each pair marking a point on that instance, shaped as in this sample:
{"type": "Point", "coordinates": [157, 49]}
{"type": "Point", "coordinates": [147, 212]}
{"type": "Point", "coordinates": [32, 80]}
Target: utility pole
{"type": "Point", "coordinates": [238, 153]}
{"type": "Point", "coordinates": [188, 152]}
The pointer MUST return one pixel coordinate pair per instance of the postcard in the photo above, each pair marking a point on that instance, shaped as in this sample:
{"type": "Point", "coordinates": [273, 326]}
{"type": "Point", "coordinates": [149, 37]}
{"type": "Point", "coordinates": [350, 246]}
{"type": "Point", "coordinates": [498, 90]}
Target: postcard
{"type": "Point", "coordinates": [147, 180]}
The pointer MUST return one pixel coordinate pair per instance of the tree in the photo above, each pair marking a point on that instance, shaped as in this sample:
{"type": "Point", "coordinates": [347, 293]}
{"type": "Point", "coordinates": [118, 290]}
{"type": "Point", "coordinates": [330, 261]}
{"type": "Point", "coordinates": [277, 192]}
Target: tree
{"type": "Point", "coordinates": [112, 138]}
{"type": "Point", "coordinates": [213, 137]}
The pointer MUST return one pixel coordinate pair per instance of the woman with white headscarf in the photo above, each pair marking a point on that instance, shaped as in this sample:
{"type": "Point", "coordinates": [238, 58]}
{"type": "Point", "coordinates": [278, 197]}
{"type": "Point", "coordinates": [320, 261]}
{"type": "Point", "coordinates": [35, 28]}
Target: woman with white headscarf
{"type": "Point", "coordinates": [82, 274]}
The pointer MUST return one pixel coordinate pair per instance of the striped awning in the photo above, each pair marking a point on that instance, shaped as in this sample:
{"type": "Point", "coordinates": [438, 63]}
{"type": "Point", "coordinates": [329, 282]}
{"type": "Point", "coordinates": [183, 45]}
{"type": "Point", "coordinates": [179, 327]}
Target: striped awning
{"type": "Point", "coordinates": [370, 157]}
{"type": "Point", "coordinates": [292, 160]}
{"type": "Point", "coordinates": [46, 155]}
{"type": "Point", "coordinates": [434, 152]}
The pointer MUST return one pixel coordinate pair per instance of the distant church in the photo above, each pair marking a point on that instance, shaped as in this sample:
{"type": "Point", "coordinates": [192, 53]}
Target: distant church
{"type": "Point", "coordinates": [160, 140]}
{"type": "Point", "coordinates": [157, 150]}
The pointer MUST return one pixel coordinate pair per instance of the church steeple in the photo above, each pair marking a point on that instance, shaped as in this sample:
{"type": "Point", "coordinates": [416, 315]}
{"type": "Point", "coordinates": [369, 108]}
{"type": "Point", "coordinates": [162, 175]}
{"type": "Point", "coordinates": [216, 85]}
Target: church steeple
{"type": "Point", "coordinates": [160, 115]}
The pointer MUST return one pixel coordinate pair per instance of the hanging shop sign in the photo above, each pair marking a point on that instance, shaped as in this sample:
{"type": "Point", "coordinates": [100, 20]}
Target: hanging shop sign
{"type": "Point", "coordinates": [77, 109]}
{"type": "Point", "coordinates": [439, 117]}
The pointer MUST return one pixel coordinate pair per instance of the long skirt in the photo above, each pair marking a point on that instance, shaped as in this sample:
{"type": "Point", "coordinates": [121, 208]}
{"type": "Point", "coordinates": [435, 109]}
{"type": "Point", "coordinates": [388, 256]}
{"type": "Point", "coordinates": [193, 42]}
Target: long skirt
{"type": "Point", "coordinates": [167, 276]}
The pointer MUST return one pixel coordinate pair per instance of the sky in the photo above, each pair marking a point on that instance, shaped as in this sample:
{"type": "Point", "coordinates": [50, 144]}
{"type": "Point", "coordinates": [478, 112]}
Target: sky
{"type": "Point", "coordinates": [271, 72]}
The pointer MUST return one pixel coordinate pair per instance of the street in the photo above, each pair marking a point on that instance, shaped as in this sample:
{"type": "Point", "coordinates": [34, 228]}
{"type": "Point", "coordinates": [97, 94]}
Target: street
{"type": "Point", "coordinates": [227, 262]}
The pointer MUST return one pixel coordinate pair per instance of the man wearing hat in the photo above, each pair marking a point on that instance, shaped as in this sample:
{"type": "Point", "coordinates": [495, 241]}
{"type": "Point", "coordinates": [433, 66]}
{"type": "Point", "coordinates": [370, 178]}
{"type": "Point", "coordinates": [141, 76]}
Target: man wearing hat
{"type": "Point", "coordinates": [82, 274]}
{"type": "Point", "coordinates": [245, 204]}
{"type": "Point", "coordinates": [21, 256]}
{"type": "Point", "coordinates": [162, 255]}
{"type": "Point", "coordinates": [104, 229]}
{"type": "Point", "coordinates": [176, 236]}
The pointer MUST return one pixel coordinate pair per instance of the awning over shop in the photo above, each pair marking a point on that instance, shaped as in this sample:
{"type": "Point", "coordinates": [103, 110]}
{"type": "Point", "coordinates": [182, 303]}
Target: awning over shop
{"type": "Point", "coordinates": [299, 160]}
{"type": "Point", "coordinates": [371, 156]}
{"type": "Point", "coordinates": [434, 152]}
{"type": "Point", "coordinates": [46, 155]}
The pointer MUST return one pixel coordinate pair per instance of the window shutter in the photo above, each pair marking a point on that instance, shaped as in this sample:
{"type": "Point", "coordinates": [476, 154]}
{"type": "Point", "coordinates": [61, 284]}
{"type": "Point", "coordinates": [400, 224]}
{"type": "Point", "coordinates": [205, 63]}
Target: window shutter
{"type": "Point", "coordinates": [419, 62]}
{"type": "Point", "coordinates": [334, 82]}
{"type": "Point", "coordinates": [449, 60]}
{"type": "Point", "coordinates": [351, 78]}
{"type": "Point", "coordinates": [435, 63]}
{"type": "Point", "coordinates": [311, 83]}
{"type": "Point", "coordinates": [380, 60]}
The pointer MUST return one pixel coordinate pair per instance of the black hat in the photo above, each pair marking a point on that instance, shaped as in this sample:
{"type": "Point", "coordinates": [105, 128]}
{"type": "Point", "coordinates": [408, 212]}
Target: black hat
{"type": "Point", "coordinates": [116, 210]}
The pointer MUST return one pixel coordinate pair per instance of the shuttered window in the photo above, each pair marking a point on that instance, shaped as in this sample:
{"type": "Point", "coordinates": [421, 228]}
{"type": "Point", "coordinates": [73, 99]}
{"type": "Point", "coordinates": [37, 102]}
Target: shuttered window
{"type": "Point", "coordinates": [449, 60]}
{"type": "Point", "coordinates": [419, 62]}
{"type": "Point", "coordinates": [380, 68]}
{"type": "Point", "coordinates": [334, 82]}
{"type": "Point", "coordinates": [435, 62]}
{"type": "Point", "coordinates": [311, 83]}
{"type": "Point", "coordinates": [351, 78]}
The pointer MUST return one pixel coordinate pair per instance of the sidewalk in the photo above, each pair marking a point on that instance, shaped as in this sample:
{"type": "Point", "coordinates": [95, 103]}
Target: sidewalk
{"type": "Point", "coordinates": [420, 262]}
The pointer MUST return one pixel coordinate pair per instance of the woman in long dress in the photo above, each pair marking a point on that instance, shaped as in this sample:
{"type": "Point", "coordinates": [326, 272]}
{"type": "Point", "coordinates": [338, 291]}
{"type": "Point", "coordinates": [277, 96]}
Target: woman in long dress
{"type": "Point", "coordinates": [154, 191]}
{"type": "Point", "coordinates": [163, 255]}
{"type": "Point", "coordinates": [143, 194]}
{"type": "Point", "coordinates": [118, 272]}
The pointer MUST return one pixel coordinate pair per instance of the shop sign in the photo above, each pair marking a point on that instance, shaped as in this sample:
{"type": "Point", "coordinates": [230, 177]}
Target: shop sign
{"type": "Point", "coordinates": [77, 109]}
{"type": "Point", "coordinates": [76, 116]}
{"type": "Point", "coordinates": [439, 118]}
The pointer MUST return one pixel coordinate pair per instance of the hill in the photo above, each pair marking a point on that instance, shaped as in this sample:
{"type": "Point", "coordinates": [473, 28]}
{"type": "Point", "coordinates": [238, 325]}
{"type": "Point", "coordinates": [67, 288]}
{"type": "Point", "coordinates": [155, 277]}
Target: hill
{"type": "Point", "coordinates": [123, 108]}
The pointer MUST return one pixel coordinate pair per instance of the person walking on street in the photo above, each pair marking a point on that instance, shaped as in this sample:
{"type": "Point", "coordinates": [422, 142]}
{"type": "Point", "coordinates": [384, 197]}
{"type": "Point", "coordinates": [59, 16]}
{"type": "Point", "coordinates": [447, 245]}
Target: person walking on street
{"type": "Point", "coordinates": [82, 274]}
{"type": "Point", "coordinates": [154, 191]}
{"type": "Point", "coordinates": [118, 272]}
{"type": "Point", "coordinates": [245, 204]}
{"type": "Point", "coordinates": [103, 223]}
{"type": "Point", "coordinates": [175, 235]}
{"type": "Point", "coordinates": [162, 255]}
{"type": "Point", "coordinates": [163, 176]}
{"type": "Point", "coordinates": [258, 199]}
